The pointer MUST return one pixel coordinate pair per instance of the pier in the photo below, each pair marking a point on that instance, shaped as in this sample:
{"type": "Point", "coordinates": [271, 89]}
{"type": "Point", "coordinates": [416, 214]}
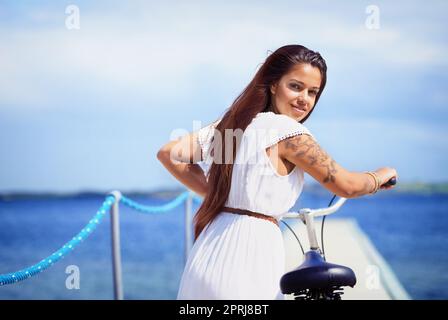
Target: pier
{"type": "Point", "coordinates": [346, 244]}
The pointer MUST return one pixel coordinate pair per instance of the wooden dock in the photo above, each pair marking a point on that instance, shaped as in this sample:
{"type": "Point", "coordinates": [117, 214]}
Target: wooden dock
{"type": "Point", "coordinates": [346, 244]}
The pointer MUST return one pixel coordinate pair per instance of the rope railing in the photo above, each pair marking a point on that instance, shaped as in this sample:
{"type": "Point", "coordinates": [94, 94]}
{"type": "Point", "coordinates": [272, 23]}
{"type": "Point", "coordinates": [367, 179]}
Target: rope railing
{"type": "Point", "coordinates": [156, 209]}
{"type": "Point", "coordinates": [13, 277]}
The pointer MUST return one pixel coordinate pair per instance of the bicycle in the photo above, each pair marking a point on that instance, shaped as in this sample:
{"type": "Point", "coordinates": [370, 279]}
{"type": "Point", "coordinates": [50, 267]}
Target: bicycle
{"type": "Point", "coordinates": [315, 278]}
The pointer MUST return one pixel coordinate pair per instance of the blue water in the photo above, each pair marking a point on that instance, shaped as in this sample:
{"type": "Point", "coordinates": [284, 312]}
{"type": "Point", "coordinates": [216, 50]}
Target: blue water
{"type": "Point", "coordinates": [409, 230]}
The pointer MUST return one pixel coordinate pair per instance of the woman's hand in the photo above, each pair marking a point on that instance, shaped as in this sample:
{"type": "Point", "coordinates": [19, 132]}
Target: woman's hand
{"type": "Point", "coordinates": [385, 174]}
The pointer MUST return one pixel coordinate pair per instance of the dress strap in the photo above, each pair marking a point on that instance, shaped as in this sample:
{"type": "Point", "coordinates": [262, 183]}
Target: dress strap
{"type": "Point", "coordinates": [251, 213]}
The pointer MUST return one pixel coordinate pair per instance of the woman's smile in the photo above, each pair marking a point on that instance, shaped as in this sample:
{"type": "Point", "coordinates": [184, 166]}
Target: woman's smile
{"type": "Point", "coordinates": [299, 110]}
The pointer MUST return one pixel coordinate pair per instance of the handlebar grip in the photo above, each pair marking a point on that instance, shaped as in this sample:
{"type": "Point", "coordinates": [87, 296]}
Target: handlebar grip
{"type": "Point", "coordinates": [391, 182]}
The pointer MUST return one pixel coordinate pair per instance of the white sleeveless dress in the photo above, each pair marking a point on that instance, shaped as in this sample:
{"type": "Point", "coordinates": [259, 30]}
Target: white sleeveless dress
{"type": "Point", "coordinates": [239, 256]}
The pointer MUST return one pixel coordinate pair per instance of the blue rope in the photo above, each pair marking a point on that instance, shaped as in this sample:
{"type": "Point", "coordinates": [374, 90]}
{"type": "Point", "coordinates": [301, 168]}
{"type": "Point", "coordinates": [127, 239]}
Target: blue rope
{"type": "Point", "coordinates": [26, 273]}
{"type": "Point", "coordinates": [155, 209]}
{"type": "Point", "coordinates": [62, 252]}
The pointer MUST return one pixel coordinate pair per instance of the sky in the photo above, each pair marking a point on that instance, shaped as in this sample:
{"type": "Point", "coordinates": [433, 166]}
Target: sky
{"type": "Point", "coordinates": [90, 90]}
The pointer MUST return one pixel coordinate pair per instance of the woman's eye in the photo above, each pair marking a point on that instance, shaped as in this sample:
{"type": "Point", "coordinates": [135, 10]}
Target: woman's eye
{"type": "Point", "coordinates": [295, 86]}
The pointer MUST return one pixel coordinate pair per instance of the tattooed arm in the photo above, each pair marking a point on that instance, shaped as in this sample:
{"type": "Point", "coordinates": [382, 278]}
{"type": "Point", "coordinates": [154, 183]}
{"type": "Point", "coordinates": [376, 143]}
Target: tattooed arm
{"type": "Point", "coordinates": [305, 152]}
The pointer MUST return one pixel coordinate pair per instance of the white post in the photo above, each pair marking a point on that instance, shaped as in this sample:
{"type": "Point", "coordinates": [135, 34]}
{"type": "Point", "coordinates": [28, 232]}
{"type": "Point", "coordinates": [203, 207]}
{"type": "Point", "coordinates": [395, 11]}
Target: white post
{"type": "Point", "coordinates": [188, 224]}
{"type": "Point", "coordinates": [116, 254]}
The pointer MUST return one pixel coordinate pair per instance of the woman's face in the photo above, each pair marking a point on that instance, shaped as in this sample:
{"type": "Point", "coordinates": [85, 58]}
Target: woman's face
{"type": "Point", "coordinates": [295, 93]}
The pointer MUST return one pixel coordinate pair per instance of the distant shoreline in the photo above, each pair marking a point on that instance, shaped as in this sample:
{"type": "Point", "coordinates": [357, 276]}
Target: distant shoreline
{"type": "Point", "coordinates": [409, 188]}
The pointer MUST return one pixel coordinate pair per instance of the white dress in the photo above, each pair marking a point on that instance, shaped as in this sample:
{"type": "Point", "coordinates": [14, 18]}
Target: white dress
{"type": "Point", "coordinates": [239, 256]}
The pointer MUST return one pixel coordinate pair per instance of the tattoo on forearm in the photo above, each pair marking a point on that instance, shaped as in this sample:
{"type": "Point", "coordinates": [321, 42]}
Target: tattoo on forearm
{"type": "Point", "coordinates": [307, 148]}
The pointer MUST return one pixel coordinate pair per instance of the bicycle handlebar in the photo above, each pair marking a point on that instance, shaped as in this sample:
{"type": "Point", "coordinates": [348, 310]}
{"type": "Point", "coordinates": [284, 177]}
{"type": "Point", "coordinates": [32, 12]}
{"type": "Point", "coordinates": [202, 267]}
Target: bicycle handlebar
{"type": "Point", "coordinates": [391, 182]}
{"type": "Point", "coordinates": [316, 212]}
{"type": "Point", "coordinates": [307, 216]}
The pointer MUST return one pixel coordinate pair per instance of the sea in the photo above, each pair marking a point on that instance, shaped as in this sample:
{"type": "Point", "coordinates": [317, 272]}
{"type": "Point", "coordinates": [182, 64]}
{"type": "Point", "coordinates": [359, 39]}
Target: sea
{"type": "Point", "coordinates": [409, 229]}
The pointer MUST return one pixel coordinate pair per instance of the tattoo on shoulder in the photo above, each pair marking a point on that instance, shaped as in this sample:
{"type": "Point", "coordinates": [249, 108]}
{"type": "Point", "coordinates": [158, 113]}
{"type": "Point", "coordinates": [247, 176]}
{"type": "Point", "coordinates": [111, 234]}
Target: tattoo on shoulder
{"type": "Point", "coordinates": [304, 147]}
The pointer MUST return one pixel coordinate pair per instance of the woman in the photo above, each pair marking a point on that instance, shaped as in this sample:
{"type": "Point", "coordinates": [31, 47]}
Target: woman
{"type": "Point", "coordinates": [238, 251]}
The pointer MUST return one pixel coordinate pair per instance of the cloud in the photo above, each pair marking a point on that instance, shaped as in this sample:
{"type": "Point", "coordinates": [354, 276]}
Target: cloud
{"type": "Point", "coordinates": [404, 130]}
{"type": "Point", "coordinates": [156, 50]}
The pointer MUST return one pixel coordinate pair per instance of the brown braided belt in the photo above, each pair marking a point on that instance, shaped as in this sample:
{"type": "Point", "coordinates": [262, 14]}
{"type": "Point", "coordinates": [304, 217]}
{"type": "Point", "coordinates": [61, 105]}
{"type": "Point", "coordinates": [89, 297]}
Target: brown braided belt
{"type": "Point", "coordinates": [252, 214]}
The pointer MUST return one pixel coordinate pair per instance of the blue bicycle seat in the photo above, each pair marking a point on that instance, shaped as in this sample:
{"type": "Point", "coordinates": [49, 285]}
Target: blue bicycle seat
{"type": "Point", "coordinates": [315, 273]}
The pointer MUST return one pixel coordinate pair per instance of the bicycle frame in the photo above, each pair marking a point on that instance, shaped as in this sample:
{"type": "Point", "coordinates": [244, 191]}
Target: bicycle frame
{"type": "Point", "coordinates": [315, 278]}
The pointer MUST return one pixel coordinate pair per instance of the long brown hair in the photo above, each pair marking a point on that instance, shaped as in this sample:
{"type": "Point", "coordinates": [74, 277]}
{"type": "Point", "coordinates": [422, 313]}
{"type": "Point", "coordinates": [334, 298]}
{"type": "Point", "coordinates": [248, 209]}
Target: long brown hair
{"type": "Point", "coordinates": [255, 98]}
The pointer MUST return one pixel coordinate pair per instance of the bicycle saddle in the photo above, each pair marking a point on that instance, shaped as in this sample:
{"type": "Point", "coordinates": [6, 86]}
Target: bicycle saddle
{"type": "Point", "coordinates": [315, 273]}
